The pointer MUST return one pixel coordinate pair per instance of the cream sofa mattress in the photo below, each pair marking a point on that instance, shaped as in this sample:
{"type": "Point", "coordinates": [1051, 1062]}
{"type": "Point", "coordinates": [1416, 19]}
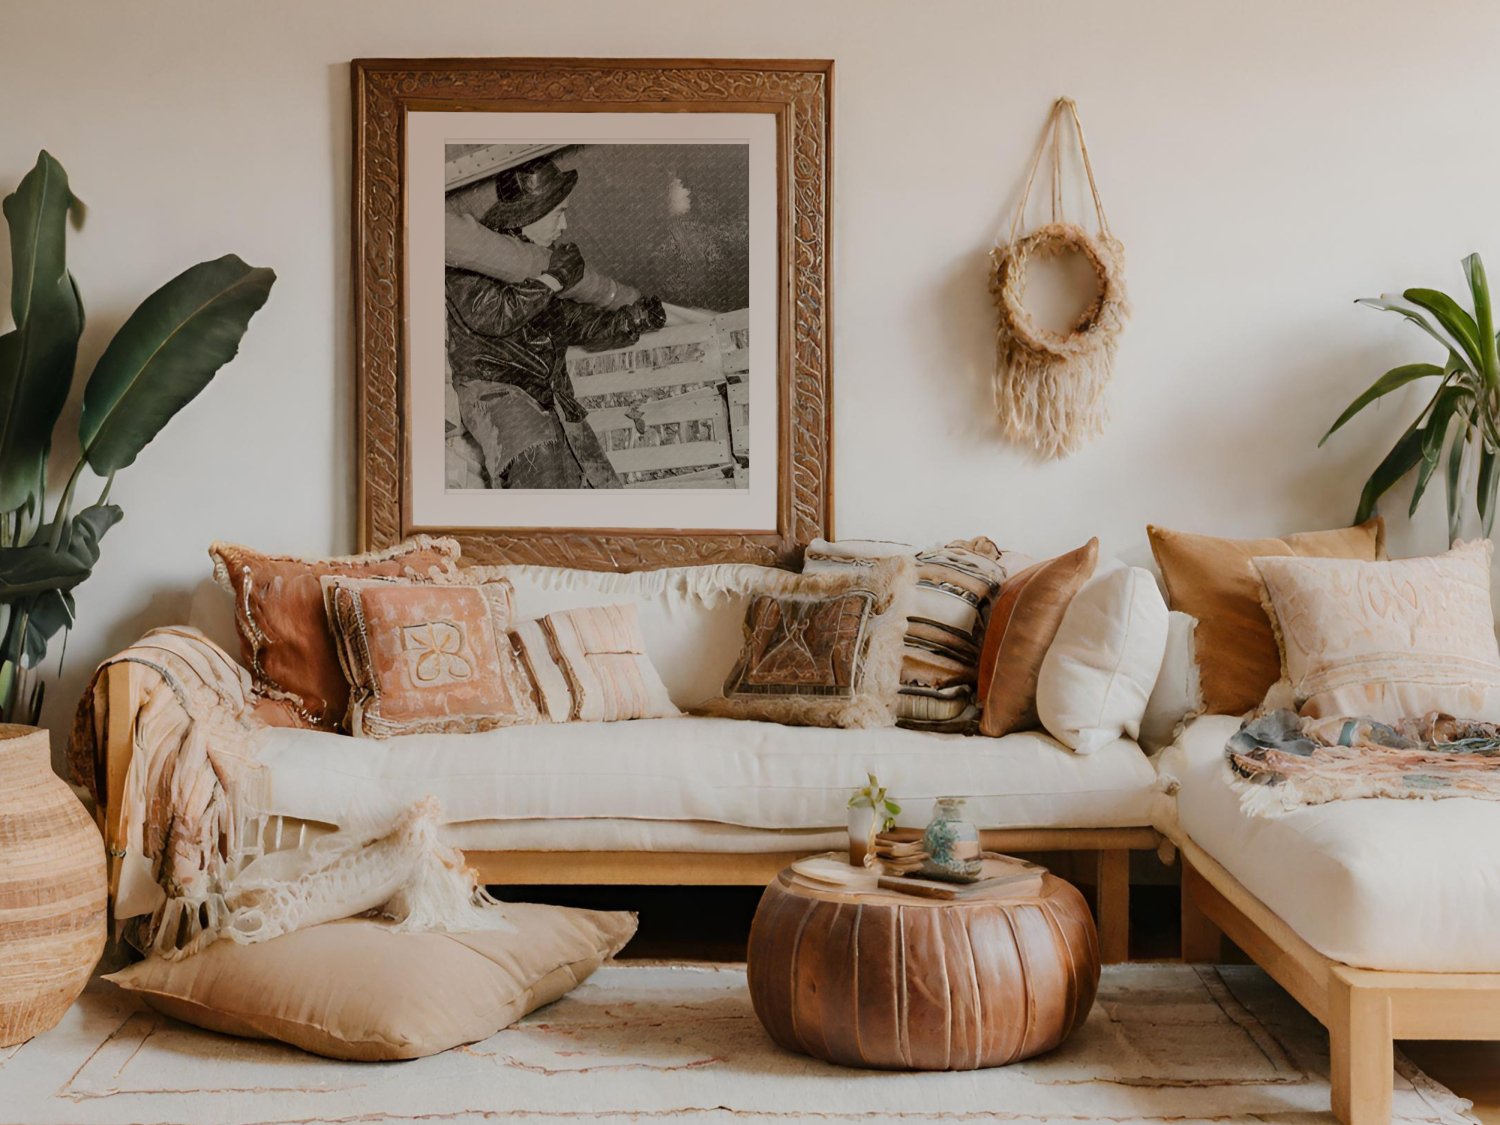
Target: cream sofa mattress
{"type": "Point", "coordinates": [1379, 884]}
{"type": "Point", "coordinates": [727, 771]}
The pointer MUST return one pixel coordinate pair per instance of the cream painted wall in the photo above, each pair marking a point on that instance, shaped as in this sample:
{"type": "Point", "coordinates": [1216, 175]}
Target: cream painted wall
{"type": "Point", "coordinates": [1264, 164]}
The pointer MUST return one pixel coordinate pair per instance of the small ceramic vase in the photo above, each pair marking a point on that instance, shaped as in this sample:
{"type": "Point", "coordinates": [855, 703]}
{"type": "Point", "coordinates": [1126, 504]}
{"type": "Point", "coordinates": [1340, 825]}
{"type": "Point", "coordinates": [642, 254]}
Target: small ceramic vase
{"type": "Point", "coordinates": [951, 843]}
{"type": "Point", "coordinates": [861, 832]}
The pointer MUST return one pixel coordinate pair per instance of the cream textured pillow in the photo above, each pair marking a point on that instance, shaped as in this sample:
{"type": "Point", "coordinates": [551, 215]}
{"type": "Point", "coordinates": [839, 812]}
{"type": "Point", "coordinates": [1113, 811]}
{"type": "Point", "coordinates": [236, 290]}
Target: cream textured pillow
{"type": "Point", "coordinates": [590, 665]}
{"type": "Point", "coordinates": [1177, 693]}
{"type": "Point", "coordinates": [1390, 640]}
{"type": "Point", "coordinates": [1099, 671]}
{"type": "Point", "coordinates": [356, 990]}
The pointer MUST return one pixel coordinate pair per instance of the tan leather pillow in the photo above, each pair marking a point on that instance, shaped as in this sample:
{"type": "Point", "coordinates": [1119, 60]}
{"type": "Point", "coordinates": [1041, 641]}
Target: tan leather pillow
{"type": "Point", "coordinates": [285, 640]}
{"type": "Point", "coordinates": [357, 990]}
{"type": "Point", "coordinates": [427, 657]}
{"type": "Point", "coordinates": [1023, 622]}
{"type": "Point", "coordinates": [1214, 580]}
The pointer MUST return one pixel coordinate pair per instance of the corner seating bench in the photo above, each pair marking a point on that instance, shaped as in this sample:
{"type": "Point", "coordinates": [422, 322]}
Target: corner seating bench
{"type": "Point", "coordinates": [1379, 916]}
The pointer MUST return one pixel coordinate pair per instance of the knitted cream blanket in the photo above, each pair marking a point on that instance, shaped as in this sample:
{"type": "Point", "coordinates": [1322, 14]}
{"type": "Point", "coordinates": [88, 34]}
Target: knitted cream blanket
{"type": "Point", "coordinates": [197, 859]}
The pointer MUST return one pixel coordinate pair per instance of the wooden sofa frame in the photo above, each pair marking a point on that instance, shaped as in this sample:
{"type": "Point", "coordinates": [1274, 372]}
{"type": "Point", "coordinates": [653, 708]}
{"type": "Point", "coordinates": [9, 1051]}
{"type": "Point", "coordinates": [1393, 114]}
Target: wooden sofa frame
{"type": "Point", "coordinates": [1364, 1010]}
{"type": "Point", "coordinates": [1111, 846]}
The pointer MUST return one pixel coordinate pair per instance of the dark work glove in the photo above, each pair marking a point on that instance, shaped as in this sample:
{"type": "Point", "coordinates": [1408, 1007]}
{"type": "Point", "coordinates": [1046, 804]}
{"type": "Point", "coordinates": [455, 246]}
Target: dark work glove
{"type": "Point", "coordinates": [648, 314]}
{"type": "Point", "coordinates": [566, 264]}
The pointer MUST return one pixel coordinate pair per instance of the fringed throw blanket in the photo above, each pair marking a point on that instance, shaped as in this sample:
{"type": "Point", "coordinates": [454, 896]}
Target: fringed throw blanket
{"type": "Point", "coordinates": [1281, 761]}
{"type": "Point", "coordinates": [191, 841]}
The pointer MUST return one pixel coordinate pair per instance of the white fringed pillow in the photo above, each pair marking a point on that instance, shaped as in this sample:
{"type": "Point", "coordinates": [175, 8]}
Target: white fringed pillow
{"type": "Point", "coordinates": [590, 665]}
{"type": "Point", "coordinates": [1098, 673]}
{"type": "Point", "coordinates": [1388, 640]}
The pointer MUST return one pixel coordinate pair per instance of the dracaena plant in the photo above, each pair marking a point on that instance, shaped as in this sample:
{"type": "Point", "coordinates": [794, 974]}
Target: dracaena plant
{"type": "Point", "coordinates": [1457, 427]}
{"type": "Point", "coordinates": [162, 356]}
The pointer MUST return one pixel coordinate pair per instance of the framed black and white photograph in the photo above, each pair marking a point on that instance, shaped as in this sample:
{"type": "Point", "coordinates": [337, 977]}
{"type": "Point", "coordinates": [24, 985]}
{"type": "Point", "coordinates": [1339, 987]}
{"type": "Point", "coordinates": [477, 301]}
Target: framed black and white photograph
{"type": "Point", "coordinates": [602, 307]}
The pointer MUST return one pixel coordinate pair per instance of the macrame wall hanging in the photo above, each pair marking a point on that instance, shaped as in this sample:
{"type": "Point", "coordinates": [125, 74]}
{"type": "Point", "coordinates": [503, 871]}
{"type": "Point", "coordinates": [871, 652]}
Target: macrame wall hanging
{"type": "Point", "coordinates": [1049, 386]}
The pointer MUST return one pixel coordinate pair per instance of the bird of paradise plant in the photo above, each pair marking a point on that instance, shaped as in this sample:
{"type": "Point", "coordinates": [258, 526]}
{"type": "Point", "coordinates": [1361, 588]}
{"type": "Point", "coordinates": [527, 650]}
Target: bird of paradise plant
{"type": "Point", "coordinates": [1459, 426]}
{"type": "Point", "coordinates": [162, 356]}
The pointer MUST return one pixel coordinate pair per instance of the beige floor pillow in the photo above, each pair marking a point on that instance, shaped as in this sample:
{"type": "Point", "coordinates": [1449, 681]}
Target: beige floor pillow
{"type": "Point", "coordinates": [356, 990]}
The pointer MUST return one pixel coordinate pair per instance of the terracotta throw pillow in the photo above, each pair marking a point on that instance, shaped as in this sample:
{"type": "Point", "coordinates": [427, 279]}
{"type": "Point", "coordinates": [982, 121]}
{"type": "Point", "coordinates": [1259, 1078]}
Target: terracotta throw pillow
{"type": "Point", "coordinates": [824, 649]}
{"type": "Point", "coordinates": [590, 665]}
{"type": "Point", "coordinates": [1214, 580]}
{"type": "Point", "coordinates": [285, 639]}
{"type": "Point", "coordinates": [424, 657]}
{"type": "Point", "coordinates": [1388, 640]}
{"type": "Point", "coordinates": [1026, 617]}
{"type": "Point", "coordinates": [357, 990]}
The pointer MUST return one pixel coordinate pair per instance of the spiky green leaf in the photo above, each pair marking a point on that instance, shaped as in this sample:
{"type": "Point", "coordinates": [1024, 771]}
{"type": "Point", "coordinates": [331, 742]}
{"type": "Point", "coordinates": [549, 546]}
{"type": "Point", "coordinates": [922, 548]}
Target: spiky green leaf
{"type": "Point", "coordinates": [1455, 321]}
{"type": "Point", "coordinates": [1489, 461]}
{"type": "Point", "coordinates": [1392, 380]}
{"type": "Point", "coordinates": [1402, 458]}
{"type": "Point", "coordinates": [1484, 316]}
{"type": "Point", "coordinates": [168, 351]}
{"type": "Point", "coordinates": [1448, 403]}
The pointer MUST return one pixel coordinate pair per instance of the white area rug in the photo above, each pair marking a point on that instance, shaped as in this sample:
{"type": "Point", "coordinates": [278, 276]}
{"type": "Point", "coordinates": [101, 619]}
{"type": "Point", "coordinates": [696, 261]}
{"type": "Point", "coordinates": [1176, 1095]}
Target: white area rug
{"type": "Point", "coordinates": [647, 1042]}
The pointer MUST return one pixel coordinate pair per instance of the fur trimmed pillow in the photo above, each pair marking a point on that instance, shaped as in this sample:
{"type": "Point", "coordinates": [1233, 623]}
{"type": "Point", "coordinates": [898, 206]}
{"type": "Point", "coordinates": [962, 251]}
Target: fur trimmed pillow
{"type": "Point", "coordinates": [285, 639]}
{"type": "Point", "coordinates": [823, 649]}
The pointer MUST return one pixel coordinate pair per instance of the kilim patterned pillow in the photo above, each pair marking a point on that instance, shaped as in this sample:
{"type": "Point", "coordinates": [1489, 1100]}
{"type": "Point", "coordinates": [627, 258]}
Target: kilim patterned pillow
{"type": "Point", "coordinates": [824, 650]}
{"type": "Point", "coordinates": [956, 584]}
{"type": "Point", "coordinates": [427, 657]}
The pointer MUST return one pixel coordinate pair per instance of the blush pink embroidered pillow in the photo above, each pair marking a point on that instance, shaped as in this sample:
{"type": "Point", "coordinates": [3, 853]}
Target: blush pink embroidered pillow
{"type": "Point", "coordinates": [1390, 640]}
{"type": "Point", "coordinates": [590, 665]}
{"type": "Point", "coordinates": [427, 657]}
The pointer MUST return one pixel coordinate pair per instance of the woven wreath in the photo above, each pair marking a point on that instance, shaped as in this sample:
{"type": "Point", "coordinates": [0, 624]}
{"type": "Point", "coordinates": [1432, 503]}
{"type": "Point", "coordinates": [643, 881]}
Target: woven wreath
{"type": "Point", "coordinates": [1049, 386]}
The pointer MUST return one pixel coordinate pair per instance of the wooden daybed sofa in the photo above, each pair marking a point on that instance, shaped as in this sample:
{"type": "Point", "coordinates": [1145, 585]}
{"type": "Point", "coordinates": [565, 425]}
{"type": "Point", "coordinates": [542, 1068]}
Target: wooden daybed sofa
{"type": "Point", "coordinates": [1379, 916]}
{"type": "Point", "coordinates": [668, 801]}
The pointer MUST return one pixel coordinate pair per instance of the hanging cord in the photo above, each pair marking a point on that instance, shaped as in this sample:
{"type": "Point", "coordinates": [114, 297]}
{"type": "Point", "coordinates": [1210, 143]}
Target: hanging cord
{"type": "Point", "coordinates": [1052, 136]}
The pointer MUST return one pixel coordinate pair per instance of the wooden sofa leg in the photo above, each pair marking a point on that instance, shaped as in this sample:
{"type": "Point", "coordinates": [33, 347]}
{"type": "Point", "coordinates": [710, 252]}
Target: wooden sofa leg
{"type": "Point", "coordinates": [1112, 886]}
{"type": "Point", "coordinates": [1202, 941]}
{"type": "Point", "coordinates": [1361, 1052]}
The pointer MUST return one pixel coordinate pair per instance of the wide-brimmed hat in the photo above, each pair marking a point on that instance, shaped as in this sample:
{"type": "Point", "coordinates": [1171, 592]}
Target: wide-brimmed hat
{"type": "Point", "coordinates": [525, 193]}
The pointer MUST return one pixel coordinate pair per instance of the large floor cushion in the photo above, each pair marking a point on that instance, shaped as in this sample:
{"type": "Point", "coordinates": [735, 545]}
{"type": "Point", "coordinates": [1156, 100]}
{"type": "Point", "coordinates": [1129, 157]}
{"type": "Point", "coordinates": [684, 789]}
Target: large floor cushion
{"type": "Point", "coordinates": [1379, 884]}
{"type": "Point", "coordinates": [730, 771]}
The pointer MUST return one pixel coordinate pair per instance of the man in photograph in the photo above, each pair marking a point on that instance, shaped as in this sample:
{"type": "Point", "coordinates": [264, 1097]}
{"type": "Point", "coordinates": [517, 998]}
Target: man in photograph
{"type": "Point", "coordinates": [507, 344]}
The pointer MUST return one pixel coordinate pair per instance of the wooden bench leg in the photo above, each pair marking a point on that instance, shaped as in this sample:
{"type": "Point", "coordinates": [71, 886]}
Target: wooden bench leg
{"type": "Point", "coordinates": [1361, 1052]}
{"type": "Point", "coordinates": [1112, 885]}
{"type": "Point", "coordinates": [1202, 941]}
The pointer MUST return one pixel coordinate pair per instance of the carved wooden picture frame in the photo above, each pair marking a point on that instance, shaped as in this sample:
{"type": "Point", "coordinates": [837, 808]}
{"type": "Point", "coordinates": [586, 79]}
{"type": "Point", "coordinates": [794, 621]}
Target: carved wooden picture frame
{"type": "Point", "coordinates": [402, 109]}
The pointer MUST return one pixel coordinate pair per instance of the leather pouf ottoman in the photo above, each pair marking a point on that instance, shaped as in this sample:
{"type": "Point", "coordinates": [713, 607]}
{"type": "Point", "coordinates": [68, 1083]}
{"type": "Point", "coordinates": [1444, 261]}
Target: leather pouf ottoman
{"type": "Point", "coordinates": [889, 980]}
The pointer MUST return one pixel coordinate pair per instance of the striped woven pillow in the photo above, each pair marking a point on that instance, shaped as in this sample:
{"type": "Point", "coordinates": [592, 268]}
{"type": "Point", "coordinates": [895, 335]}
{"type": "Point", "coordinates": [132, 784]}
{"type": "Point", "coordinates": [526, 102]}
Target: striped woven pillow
{"type": "Point", "coordinates": [956, 584]}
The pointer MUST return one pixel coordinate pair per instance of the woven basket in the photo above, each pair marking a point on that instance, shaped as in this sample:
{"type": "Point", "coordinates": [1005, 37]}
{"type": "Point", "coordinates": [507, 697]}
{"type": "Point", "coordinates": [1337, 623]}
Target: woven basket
{"type": "Point", "coordinates": [52, 889]}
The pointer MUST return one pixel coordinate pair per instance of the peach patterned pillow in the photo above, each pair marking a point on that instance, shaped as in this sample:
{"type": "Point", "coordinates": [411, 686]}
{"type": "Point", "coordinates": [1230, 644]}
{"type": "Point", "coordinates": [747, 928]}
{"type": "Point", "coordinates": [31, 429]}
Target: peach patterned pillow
{"type": "Point", "coordinates": [590, 665]}
{"type": "Point", "coordinates": [426, 657]}
{"type": "Point", "coordinates": [1390, 640]}
{"type": "Point", "coordinates": [284, 635]}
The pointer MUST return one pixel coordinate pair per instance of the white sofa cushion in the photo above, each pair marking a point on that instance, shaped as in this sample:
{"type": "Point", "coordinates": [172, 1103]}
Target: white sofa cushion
{"type": "Point", "coordinates": [731, 771]}
{"type": "Point", "coordinates": [1101, 665]}
{"type": "Point", "coordinates": [1379, 884]}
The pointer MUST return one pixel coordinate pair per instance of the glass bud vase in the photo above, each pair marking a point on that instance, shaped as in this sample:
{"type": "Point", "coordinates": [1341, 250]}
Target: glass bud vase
{"type": "Point", "coordinates": [951, 843]}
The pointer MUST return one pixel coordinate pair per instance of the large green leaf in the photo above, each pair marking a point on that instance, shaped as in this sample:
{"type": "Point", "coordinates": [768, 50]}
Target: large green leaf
{"type": "Point", "coordinates": [1402, 458]}
{"type": "Point", "coordinates": [1484, 317]}
{"type": "Point", "coordinates": [35, 568]}
{"type": "Point", "coordinates": [164, 355]}
{"type": "Point", "coordinates": [1448, 402]}
{"type": "Point", "coordinates": [1454, 481]}
{"type": "Point", "coordinates": [1391, 302]}
{"type": "Point", "coordinates": [37, 356]}
{"type": "Point", "coordinates": [1454, 318]}
{"type": "Point", "coordinates": [1393, 379]}
{"type": "Point", "coordinates": [1488, 480]}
